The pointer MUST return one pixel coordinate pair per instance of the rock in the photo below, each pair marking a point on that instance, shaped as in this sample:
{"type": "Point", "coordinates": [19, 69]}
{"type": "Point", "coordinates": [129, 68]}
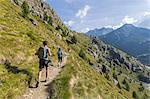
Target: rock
{"type": "Point", "coordinates": [116, 61]}
{"type": "Point", "coordinates": [105, 69]}
{"type": "Point", "coordinates": [115, 82]}
{"type": "Point", "coordinates": [38, 8]}
{"type": "Point", "coordinates": [90, 63]}
{"type": "Point", "coordinates": [98, 68]}
{"type": "Point", "coordinates": [128, 66]}
{"type": "Point", "coordinates": [2, 59]}
{"type": "Point", "coordinates": [54, 25]}
{"type": "Point", "coordinates": [93, 53]}
{"type": "Point", "coordinates": [16, 2]}
{"type": "Point", "coordinates": [136, 68]}
{"type": "Point", "coordinates": [33, 22]}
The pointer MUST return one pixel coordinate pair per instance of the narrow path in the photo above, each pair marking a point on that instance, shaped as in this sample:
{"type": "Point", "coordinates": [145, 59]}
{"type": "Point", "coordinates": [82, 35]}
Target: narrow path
{"type": "Point", "coordinates": [40, 92]}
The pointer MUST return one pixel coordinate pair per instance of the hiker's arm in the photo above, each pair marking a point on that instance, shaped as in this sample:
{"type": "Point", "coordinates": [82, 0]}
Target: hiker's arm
{"type": "Point", "coordinates": [49, 52]}
{"type": "Point", "coordinates": [36, 53]}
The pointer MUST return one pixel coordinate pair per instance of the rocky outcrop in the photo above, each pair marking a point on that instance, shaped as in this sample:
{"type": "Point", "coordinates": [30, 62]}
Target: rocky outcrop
{"type": "Point", "coordinates": [114, 56]}
{"type": "Point", "coordinates": [39, 8]}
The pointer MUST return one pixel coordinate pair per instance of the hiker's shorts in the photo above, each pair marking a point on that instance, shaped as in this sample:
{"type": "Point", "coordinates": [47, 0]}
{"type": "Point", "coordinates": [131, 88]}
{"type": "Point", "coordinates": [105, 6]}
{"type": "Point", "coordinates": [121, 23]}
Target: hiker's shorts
{"type": "Point", "coordinates": [59, 59]}
{"type": "Point", "coordinates": [43, 63]}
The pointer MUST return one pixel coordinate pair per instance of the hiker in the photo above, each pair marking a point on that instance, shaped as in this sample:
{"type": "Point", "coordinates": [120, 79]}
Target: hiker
{"type": "Point", "coordinates": [43, 53]}
{"type": "Point", "coordinates": [59, 54]}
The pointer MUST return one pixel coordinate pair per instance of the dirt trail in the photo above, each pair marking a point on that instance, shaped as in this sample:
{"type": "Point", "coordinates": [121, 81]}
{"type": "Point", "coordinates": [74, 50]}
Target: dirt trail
{"type": "Point", "coordinates": [40, 92]}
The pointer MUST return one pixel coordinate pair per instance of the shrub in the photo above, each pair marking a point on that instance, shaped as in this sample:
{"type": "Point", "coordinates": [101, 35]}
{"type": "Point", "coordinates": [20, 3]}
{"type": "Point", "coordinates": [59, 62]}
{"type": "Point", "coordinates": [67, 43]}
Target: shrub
{"type": "Point", "coordinates": [126, 85]}
{"type": "Point", "coordinates": [134, 95]}
{"type": "Point", "coordinates": [82, 54]}
{"type": "Point", "coordinates": [50, 21]}
{"type": "Point", "coordinates": [107, 76]}
{"type": "Point", "coordinates": [64, 34]}
{"type": "Point", "coordinates": [25, 9]}
{"type": "Point", "coordinates": [30, 34]}
{"type": "Point", "coordinates": [141, 88]}
{"type": "Point", "coordinates": [145, 96]}
{"type": "Point", "coordinates": [74, 39]}
{"type": "Point", "coordinates": [45, 17]}
{"type": "Point", "coordinates": [115, 76]}
{"type": "Point", "coordinates": [119, 85]}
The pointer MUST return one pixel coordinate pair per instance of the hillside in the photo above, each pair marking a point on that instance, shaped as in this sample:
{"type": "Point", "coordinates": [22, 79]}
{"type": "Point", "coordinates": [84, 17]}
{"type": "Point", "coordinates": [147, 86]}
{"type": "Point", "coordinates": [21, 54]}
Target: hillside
{"type": "Point", "coordinates": [93, 70]}
{"type": "Point", "coordinates": [131, 39]}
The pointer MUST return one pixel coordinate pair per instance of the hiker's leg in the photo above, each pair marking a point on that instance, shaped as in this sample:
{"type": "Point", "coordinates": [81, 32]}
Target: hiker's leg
{"type": "Point", "coordinates": [39, 74]}
{"type": "Point", "coordinates": [39, 77]}
{"type": "Point", "coordinates": [60, 61]}
{"type": "Point", "coordinates": [41, 66]}
{"type": "Point", "coordinates": [46, 73]}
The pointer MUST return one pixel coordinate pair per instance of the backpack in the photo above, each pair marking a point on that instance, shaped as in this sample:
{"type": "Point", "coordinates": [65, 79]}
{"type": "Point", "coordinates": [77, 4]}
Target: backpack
{"type": "Point", "coordinates": [59, 54]}
{"type": "Point", "coordinates": [42, 54]}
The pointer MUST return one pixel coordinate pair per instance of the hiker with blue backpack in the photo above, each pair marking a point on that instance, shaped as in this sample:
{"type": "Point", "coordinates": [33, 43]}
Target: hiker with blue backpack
{"type": "Point", "coordinates": [43, 53]}
{"type": "Point", "coordinates": [59, 54]}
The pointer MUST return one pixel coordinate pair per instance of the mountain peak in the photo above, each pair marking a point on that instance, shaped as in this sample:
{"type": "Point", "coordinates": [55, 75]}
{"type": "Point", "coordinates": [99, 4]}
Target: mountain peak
{"type": "Point", "coordinates": [99, 32]}
{"type": "Point", "coordinates": [128, 26]}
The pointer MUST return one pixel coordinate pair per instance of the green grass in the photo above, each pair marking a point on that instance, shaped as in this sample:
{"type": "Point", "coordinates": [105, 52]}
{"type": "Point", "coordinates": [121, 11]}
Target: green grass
{"type": "Point", "coordinates": [19, 40]}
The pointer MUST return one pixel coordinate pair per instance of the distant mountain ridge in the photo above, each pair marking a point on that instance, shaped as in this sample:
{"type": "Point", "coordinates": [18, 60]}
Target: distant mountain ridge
{"type": "Point", "coordinates": [99, 32]}
{"type": "Point", "coordinates": [131, 39]}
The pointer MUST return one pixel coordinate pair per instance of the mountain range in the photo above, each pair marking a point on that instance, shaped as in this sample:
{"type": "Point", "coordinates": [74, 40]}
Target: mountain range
{"type": "Point", "coordinates": [99, 32]}
{"type": "Point", "coordinates": [131, 39]}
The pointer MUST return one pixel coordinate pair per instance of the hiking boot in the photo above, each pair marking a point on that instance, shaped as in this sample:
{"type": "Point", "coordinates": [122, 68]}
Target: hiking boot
{"type": "Point", "coordinates": [46, 79]}
{"type": "Point", "coordinates": [37, 84]}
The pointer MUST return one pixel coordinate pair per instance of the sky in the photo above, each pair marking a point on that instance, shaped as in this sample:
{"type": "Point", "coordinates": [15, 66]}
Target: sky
{"type": "Point", "coordinates": [84, 15]}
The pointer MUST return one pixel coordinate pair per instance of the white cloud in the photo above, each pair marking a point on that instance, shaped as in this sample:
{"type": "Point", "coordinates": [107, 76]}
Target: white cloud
{"type": "Point", "coordinates": [146, 13]}
{"type": "Point", "coordinates": [114, 27]}
{"type": "Point", "coordinates": [125, 20]}
{"type": "Point", "coordinates": [69, 23]}
{"type": "Point", "coordinates": [83, 12]}
{"type": "Point", "coordinates": [129, 20]}
{"type": "Point", "coordinates": [85, 30]}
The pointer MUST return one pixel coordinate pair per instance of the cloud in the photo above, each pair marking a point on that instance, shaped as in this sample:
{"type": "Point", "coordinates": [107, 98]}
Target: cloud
{"type": "Point", "coordinates": [83, 12]}
{"type": "Point", "coordinates": [144, 20]}
{"type": "Point", "coordinates": [69, 23]}
{"type": "Point", "coordinates": [115, 26]}
{"type": "Point", "coordinates": [129, 20]}
{"type": "Point", "coordinates": [125, 20]}
{"type": "Point", "coordinates": [85, 30]}
{"type": "Point", "coordinates": [146, 13]}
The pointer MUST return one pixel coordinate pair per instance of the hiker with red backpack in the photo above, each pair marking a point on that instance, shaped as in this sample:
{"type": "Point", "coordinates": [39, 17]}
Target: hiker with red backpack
{"type": "Point", "coordinates": [43, 53]}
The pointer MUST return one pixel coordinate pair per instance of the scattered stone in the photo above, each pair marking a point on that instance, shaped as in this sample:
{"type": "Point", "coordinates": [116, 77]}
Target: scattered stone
{"type": "Point", "coordinates": [115, 82]}
{"type": "Point", "coordinates": [33, 22]}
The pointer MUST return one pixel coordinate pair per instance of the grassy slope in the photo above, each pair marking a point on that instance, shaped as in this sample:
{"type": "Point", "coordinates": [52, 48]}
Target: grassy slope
{"type": "Point", "coordinates": [19, 39]}
{"type": "Point", "coordinates": [88, 84]}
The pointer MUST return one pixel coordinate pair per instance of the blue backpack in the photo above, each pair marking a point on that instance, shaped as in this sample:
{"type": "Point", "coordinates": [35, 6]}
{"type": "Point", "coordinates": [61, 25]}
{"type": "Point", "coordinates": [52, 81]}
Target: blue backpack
{"type": "Point", "coordinates": [59, 53]}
